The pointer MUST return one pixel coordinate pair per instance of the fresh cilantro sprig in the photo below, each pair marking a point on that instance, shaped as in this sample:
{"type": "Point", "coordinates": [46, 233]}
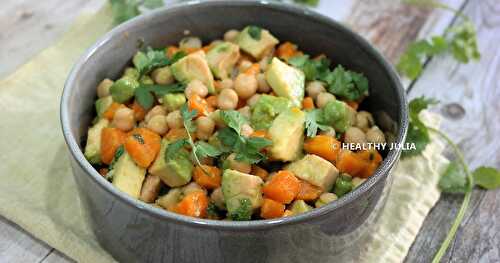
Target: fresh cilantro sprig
{"type": "Point", "coordinates": [243, 212]}
{"type": "Point", "coordinates": [418, 133]}
{"type": "Point", "coordinates": [146, 61]}
{"type": "Point", "coordinates": [459, 40]}
{"type": "Point", "coordinates": [312, 123]}
{"type": "Point", "coordinates": [247, 150]}
{"type": "Point", "coordinates": [124, 10]}
{"type": "Point", "coordinates": [457, 177]}
{"type": "Point", "coordinates": [341, 82]}
{"type": "Point", "coordinates": [145, 93]}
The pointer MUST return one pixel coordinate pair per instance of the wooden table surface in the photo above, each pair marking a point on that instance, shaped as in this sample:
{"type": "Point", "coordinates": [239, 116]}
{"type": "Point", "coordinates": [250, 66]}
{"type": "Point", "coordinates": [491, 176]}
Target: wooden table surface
{"type": "Point", "coordinates": [469, 96]}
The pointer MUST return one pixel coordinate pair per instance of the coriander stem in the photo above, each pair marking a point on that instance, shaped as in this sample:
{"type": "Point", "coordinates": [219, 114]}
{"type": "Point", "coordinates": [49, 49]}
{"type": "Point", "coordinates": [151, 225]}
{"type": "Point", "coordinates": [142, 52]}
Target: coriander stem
{"type": "Point", "coordinates": [465, 203]}
{"type": "Point", "coordinates": [191, 142]}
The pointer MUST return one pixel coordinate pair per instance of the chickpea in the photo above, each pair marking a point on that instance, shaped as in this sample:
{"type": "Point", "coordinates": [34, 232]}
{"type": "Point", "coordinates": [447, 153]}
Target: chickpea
{"type": "Point", "coordinates": [196, 87]}
{"type": "Point", "coordinates": [218, 198]}
{"type": "Point", "coordinates": [226, 84]}
{"type": "Point", "coordinates": [262, 82]}
{"type": "Point", "coordinates": [162, 76]}
{"type": "Point", "coordinates": [174, 120]}
{"type": "Point", "coordinates": [244, 65]}
{"type": "Point", "coordinates": [150, 189]}
{"type": "Point", "coordinates": [325, 198]}
{"type": "Point", "coordinates": [237, 165]}
{"type": "Point", "coordinates": [190, 43]}
{"type": "Point", "coordinates": [124, 119]}
{"type": "Point", "coordinates": [215, 116]}
{"type": "Point", "coordinates": [354, 135]}
{"type": "Point", "coordinates": [314, 88]}
{"type": "Point", "coordinates": [204, 127]}
{"type": "Point", "coordinates": [323, 98]}
{"type": "Point", "coordinates": [245, 85]}
{"type": "Point", "coordinates": [364, 120]}
{"type": "Point", "coordinates": [245, 111]}
{"type": "Point", "coordinates": [227, 99]}
{"type": "Point", "coordinates": [357, 181]}
{"type": "Point", "coordinates": [246, 130]}
{"type": "Point", "coordinates": [103, 88]}
{"type": "Point", "coordinates": [375, 135]}
{"type": "Point", "coordinates": [158, 124]}
{"type": "Point", "coordinates": [231, 35]}
{"type": "Point", "coordinates": [156, 110]}
{"type": "Point", "coordinates": [252, 100]}
{"type": "Point", "coordinates": [191, 188]}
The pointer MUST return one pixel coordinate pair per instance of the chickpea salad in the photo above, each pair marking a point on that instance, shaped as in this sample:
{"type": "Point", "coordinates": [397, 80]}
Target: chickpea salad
{"type": "Point", "coordinates": [243, 128]}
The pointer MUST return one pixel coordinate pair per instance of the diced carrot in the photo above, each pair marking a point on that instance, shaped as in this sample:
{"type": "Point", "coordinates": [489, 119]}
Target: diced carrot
{"type": "Point", "coordinates": [353, 104]}
{"type": "Point", "coordinates": [282, 187]}
{"type": "Point", "coordinates": [261, 134]}
{"type": "Point", "coordinates": [254, 69]}
{"type": "Point", "coordinates": [308, 192]}
{"type": "Point", "coordinates": [262, 173]}
{"type": "Point", "coordinates": [373, 158]}
{"type": "Point", "coordinates": [212, 101]}
{"type": "Point", "coordinates": [211, 181]}
{"type": "Point", "coordinates": [308, 103]}
{"type": "Point", "coordinates": [171, 50]}
{"type": "Point", "coordinates": [350, 162]}
{"type": "Point", "coordinates": [103, 171]}
{"type": "Point", "coordinates": [176, 134]}
{"type": "Point", "coordinates": [271, 209]}
{"type": "Point", "coordinates": [139, 111]}
{"type": "Point", "coordinates": [368, 171]}
{"type": "Point", "coordinates": [324, 146]}
{"type": "Point", "coordinates": [286, 50]}
{"type": "Point", "coordinates": [111, 139]}
{"type": "Point", "coordinates": [110, 111]}
{"type": "Point", "coordinates": [194, 204]}
{"type": "Point", "coordinates": [143, 145]}
{"type": "Point", "coordinates": [199, 104]}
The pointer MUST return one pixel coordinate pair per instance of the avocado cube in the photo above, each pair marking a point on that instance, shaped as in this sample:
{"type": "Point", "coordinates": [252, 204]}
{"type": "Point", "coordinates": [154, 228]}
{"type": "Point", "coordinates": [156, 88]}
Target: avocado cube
{"type": "Point", "coordinates": [256, 41]}
{"type": "Point", "coordinates": [286, 81]}
{"type": "Point", "coordinates": [287, 135]}
{"type": "Point", "coordinates": [123, 89]}
{"type": "Point", "coordinates": [222, 59]}
{"type": "Point", "coordinates": [237, 186]}
{"type": "Point", "coordinates": [102, 104]}
{"type": "Point", "coordinates": [93, 147]}
{"type": "Point", "coordinates": [315, 170]}
{"type": "Point", "coordinates": [194, 66]}
{"type": "Point", "coordinates": [266, 110]}
{"type": "Point", "coordinates": [128, 176]}
{"type": "Point", "coordinates": [174, 172]}
{"type": "Point", "coordinates": [300, 206]}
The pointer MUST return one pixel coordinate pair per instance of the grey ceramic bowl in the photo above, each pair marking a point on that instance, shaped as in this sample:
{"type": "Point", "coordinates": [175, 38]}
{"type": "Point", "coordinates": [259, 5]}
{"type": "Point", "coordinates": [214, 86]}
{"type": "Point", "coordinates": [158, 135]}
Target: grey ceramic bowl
{"type": "Point", "coordinates": [133, 231]}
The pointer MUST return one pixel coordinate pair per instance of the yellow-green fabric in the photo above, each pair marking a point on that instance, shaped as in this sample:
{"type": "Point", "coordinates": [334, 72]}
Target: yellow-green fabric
{"type": "Point", "coordinates": [39, 194]}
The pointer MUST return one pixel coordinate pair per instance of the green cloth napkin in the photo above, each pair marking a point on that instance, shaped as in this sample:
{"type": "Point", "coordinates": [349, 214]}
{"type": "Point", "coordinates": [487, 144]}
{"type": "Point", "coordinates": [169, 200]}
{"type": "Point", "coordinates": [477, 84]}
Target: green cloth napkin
{"type": "Point", "coordinates": [39, 194]}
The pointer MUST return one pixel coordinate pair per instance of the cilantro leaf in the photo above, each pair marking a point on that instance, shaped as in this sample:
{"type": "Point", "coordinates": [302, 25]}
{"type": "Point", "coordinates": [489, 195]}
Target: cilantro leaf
{"type": "Point", "coordinates": [124, 10]}
{"type": "Point", "coordinates": [204, 149]}
{"type": "Point", "coordinates": [145, 62]}
{"type": "Point", "coordinates": [487, 177]}
{"type": "Point", "coordinates": [247, 150]}
{"type": "Point", "coordinates": [212, 210]}
{"type": "Point", "coordinates": [464, 42]}
{"type": "Point", "coordinates": [173, 149]}
{"type": "Point", "coordinates": [244, 211]}
{"type": "Point", "coordinates": [177, 55]}
{"type": "Point", "coordinates": [144, 93]}
{"type": "Point", "coordinates": [187, 118]}
{"type": "Point", "coordinates": [255, 32]}
{"type": "Point", "coordinates": [417, 131]}
{"type": "Point", "coordinates": [118, 153]}
{"type": "Point", "coordinates": [233, 119]}
{"type": "Point", "coordinates": [453, 180]}
{"type": "Point", "coordinates": [312, 123]}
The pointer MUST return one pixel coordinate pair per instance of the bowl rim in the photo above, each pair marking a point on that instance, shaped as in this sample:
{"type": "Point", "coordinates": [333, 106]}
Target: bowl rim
{"type": "Point", "coordinates": [381, 172]}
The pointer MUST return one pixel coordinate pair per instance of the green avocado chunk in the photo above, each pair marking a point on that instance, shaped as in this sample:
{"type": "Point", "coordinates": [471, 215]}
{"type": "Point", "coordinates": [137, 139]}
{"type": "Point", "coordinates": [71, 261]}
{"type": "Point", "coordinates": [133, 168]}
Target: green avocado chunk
{"type": "Point", "coordinates": [286, 81]}
{"type": "Point", "coordinates": [128, 176]}
{"type": "Point", "coordinates": [287, 135]}
{"type": "Point", "coordinates": [238, 187]}
{"type": "Point", "coordinates": [222, 59]}
{"type": "Point", "coordinates": [123, 89]}
{"type": "Point", "coordinates": [174, 172]}
{"type": "Point", "coordinates": [266, 109]}
{"type": "Point", "coordinates": [315, 170]}
{"type": "Point", "coordinates": [93, 148]}
{"type": "Point", "coordinates": [194, 66]}
{"type": "Point", "coordinates": [256, 41]}
{"type": "Point", "coordinates": [102, 104]}
{"type": "Point", "coordinates": [338, 115]}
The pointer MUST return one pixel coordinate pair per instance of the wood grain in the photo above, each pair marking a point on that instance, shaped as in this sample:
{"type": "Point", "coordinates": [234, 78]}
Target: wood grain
{"type": "Point", "coordinates": [476, 88]}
